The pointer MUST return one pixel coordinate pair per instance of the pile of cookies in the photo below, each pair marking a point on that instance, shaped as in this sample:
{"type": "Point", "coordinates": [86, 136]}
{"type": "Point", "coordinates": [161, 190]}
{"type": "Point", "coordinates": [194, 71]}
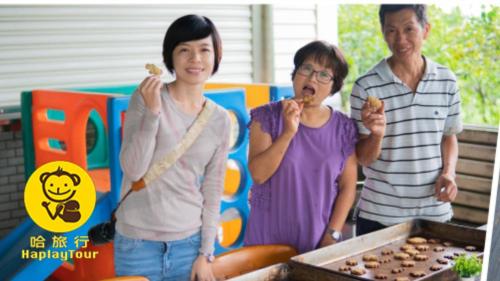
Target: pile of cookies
{"type": "Point", "coordinates": [414, 258]}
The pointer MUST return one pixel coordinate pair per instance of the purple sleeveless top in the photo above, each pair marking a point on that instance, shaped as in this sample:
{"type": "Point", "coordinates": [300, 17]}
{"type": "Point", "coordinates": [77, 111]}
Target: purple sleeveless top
{"type": "Point", "coordinates": [294, 205]}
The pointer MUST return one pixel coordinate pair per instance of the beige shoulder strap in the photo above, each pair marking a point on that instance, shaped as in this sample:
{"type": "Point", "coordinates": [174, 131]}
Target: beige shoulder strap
{"type": "Point", "coordinates": [186, 142]}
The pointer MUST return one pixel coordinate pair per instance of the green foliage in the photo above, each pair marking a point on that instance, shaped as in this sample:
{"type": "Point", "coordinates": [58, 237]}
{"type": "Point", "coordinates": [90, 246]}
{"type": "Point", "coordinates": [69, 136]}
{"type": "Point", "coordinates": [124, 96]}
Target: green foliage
{"type": "Point", "coordinates": [467, 266]}
{"type": "Point", "coordinates": [467, 45]}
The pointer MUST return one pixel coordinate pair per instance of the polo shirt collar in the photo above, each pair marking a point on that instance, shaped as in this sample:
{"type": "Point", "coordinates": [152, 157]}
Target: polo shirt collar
{"type": "Point", "coordinates": [384, 70]}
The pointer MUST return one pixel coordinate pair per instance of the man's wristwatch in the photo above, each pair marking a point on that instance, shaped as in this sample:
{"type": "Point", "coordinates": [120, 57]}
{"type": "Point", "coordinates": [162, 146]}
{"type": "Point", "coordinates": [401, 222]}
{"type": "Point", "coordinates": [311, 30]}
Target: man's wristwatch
{"type": "Point", "coordinates": [336, 235]}
{"type": "Point", "coordinates": [210, 257]}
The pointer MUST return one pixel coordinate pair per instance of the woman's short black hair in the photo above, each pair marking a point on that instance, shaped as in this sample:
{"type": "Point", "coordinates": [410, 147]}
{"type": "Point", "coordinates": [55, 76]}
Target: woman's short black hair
{"type": "Point", "coordinates": [326, 54]}
{"type": "Point", "coordinates": [189, 28]}
{"type": "Point", "coordinates": [419, 9]}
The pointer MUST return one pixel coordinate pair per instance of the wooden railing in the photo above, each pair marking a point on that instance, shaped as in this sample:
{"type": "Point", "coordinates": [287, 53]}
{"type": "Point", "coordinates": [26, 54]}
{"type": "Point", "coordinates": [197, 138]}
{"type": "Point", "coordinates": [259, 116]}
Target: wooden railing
{"type": "Point", "coordinates": [477, 147]}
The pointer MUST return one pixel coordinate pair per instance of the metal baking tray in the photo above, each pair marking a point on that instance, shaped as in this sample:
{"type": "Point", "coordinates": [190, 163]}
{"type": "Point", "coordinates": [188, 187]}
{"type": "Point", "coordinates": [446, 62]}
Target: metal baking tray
{"type": "Point", "coordinates": [324, 263]}
{"type": "Point", "coordinates": [277, 272]}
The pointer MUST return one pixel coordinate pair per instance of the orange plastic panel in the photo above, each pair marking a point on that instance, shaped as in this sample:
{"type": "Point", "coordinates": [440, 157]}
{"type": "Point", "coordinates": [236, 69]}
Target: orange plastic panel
{"type": "Point", "coordinates": [231, 231]}
{"type": "Point", "coordinates": [72, 131]}
{"type": "Point", "coordinates": [101, 179]}
{"type": "Point", "coordinates": [256, 94]}
{"type": "Point", "coordinates": [101, 267]}
{"type": "Point", "coordinates": [250, 258]}
{"type": "Point", "coordinates": [232, 181]}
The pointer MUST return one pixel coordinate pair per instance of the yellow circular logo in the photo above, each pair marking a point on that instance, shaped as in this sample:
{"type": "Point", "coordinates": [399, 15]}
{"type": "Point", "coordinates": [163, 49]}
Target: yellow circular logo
{"type": "Point", "coordinates": [59, 196]}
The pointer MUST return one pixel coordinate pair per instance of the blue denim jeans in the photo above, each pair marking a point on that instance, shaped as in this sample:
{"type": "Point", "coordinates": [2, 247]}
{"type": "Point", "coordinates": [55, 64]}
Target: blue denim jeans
{"type": "Point", "coordinates": [158, 261]}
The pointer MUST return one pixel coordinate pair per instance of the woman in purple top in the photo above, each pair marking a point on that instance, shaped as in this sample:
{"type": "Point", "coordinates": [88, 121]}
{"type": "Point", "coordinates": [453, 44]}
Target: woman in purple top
{"type": "Point", "coordinates": [302, 158]}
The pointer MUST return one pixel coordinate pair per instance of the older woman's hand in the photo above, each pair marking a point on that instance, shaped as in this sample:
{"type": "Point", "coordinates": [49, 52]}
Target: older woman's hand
{"type": "Point", "coordinates": [327, 240]}
{"type": "Point", "coordinates": [291, 116]}
{"type": "Point", "coordinates": [374, 120]}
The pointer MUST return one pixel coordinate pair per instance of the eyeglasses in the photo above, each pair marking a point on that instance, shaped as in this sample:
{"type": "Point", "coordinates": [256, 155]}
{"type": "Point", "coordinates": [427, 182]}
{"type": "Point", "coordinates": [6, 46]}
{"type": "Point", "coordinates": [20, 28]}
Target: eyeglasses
{"type": "Point", "coordinates": [322, 76]}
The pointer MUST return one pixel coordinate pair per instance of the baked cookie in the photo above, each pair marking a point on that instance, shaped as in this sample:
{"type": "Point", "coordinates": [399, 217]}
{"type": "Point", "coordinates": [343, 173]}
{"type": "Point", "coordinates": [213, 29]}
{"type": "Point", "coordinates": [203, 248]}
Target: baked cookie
{"type": "Point", "coordinates": [408, 263]}
{"type": "Point", "coordinates": [370, 257]}
{"type": "Point", "coordinates": [401, 256]}
{"type": "Point", "coordinates": [421, 257]}
{"type": "Point", "coordinates": [344, 268]}
{"type": "Point", "coordinates": [422, 248]}
{"type": "Point", "coordinates": [385, 259]}
{"type": "Point", "coordinates": [387, 251]}
{"type": "Point", "coordinates": [374, 102]}
{"type": "Point", "coordinates": [412, 252]}
{"type": "Point", "coordinates": [416, 240]}
{"type": "Point", "coordinates": [436, 267]}
{"type": "Point", "coordinates": [307, 99]}
{"type": "Point", "coordinates": [434, 241]}
{"type": "Point", "coordinates": [358, 271]}
{"type": "Point", "coordinates": [402, 279]}
{"type": "Point", "coordinates": [153, 69]}
{"type": "Point", "coordinates": [438, 249]}
{"type": "Point", "coordinates": [407, 247]}
{"type": "Point", "coordinates": [470, 248]}
{"type": "Point", "coordinates": [450, 257]}
{"type": "Point", "coordinates": [351, 262]}
{"type": "Point", "coordinates": [397, 270]}
{"type": "Point", "coordinates": [418, 273]}
{"type": "Point", "coordinates": [442, 261]}
{"type": "Point", "coordinates": [381, 276]}
{"type": "Point", "coordinates": [372, 264]}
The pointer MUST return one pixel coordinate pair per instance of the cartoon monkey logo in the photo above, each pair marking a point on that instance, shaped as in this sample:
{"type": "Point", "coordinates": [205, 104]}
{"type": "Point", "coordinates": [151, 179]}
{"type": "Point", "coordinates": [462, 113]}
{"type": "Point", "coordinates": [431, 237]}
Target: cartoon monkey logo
{"type": "Point", "coordinates": [60, 196]}
{"type": "Point", "coordinates": [59, 187]}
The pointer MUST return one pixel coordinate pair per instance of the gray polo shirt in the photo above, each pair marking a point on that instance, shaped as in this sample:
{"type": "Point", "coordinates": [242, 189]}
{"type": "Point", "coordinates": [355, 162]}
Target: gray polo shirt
{"type": "Point", "coordinates": [399, 185]}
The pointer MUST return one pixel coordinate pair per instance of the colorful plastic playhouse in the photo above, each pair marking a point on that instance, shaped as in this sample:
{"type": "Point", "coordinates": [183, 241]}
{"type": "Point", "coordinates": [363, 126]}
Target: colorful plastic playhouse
{"type": "Point", "coordinates": [56, 123]}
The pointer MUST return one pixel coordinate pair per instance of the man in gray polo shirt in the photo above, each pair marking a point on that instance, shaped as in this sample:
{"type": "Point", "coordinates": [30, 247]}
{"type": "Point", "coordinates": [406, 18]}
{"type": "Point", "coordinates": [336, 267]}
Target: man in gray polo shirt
{"type": "Point", "coordinates": [408, 147]}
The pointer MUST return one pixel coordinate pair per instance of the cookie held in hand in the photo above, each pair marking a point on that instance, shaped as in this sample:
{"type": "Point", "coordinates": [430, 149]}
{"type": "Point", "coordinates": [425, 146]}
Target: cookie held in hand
{"type": "Point", "coordinates": [374, 102]}
{"type": "Point", "coordinates": [307, 99]}
{"type": "Point", "coordinates": [153, 69]}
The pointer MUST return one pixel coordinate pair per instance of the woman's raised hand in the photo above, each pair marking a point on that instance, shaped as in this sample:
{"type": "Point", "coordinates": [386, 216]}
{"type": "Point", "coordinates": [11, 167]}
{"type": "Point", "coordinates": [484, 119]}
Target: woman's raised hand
{"type": "Point", "coordinates": [291, 115]}
{"type": "Point", "coordinates": [150, 90]}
